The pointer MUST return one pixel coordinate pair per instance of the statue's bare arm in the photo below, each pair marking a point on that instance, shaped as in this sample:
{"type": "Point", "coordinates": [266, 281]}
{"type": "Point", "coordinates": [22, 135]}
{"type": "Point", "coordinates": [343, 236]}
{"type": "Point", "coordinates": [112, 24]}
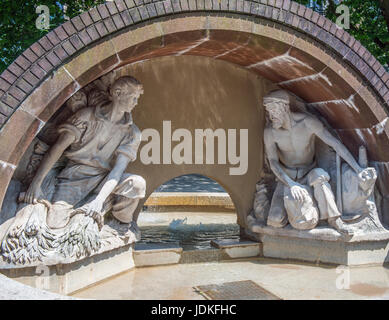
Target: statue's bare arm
{"type": "Point", "coordinates": [112, 181]}
{"type": "Point", "coordinates": [48, 161]}
{"type": "Point", "coordinates": [320, 131]}
{"type": "Point", "coordinates": [297, 190]}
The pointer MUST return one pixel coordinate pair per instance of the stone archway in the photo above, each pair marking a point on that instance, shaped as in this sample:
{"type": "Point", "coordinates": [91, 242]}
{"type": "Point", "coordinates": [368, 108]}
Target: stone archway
{"type": "Point", "coordinates": [345, 80]}
{"type": "Point", "coordinates": [198, 93]}
{"type": "Point", "coordinates": [267, 43]}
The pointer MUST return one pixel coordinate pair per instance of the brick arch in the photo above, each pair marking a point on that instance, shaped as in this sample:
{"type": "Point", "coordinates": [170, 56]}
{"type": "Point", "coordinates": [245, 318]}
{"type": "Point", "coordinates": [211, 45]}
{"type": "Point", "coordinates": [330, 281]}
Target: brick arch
{"type": "Point", "coordinates": [280, 40]}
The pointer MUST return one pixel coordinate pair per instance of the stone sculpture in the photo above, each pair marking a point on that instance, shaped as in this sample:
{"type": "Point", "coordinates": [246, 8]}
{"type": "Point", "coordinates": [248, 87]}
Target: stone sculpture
{"type": "Point", "coordinates": [79, 179]}
{"type": "Point", "coordinates": [301, 193]}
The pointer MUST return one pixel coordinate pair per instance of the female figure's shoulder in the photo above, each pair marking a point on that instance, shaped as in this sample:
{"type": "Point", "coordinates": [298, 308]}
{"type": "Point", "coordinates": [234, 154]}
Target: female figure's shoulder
{"type": "Point", "coordinates": [82, 116]}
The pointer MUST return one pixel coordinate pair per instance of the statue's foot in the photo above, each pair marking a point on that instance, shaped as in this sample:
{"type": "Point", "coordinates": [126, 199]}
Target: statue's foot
{"type": "Point", "coordinates": [341, 227]}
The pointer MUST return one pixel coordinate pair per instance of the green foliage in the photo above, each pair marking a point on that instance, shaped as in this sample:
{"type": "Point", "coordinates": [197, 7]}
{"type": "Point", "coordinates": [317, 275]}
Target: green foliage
{"type": "Point", "coordinates": [17, 23]}
{"type": "Point", "coordinates": [367, 23]}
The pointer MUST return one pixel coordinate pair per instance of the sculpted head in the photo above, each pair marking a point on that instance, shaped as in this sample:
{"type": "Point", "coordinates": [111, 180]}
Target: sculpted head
{"type": "Point", "coordinates": [125, 93]}
{"type": "Point", "coordinates": [277, 107]}
{"type": "Point", "coordinates": [77, 101]}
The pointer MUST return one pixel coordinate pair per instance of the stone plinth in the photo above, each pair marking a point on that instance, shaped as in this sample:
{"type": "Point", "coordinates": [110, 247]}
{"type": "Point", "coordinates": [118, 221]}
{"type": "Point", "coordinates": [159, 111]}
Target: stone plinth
{"type": "Point", "coordinates": [68, 278]}
{"type": "Point", "coordinates": [238, 249]}
{"type": "Point", "coordinates": [156, 254]}
{"type": "Point", "coordinates": [220, 201]}
{"type": "Point", "coordinates": [323, 245]}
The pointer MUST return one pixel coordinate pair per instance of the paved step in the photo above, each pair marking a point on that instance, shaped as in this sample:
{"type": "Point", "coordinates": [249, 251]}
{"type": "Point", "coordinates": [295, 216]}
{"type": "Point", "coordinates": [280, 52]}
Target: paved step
{"type": "Point", "coordinates": [156, 254]}
{"type": "Point", "coordinates": [238, 248]}
{"type": "Point", "coordinates": [171, 253]}
{"type": "Point", "coordinates": [190, 199]}
{"type": "Point", "coordinates": [190, 191]}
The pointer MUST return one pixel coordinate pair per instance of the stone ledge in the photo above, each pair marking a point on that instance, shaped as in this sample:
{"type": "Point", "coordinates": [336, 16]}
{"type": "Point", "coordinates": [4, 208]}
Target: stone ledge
{"type": "Point", "coordinates": [157, 247]}
{"type": "Point", "coordinates": [319, 233]}
{"type": "Point", "coordinates": [208, 199]}
{"type": "Point", "coordinates": [14, 290]}
{"type": "Point", "coordinates": [236, 249]}
{"type": "Point", "coordinates": [205, 255]}
{"type": "Point", "coordinates": [68, 278]}
{"type": "Point", "coordinates": [146, 255]}
{"type": "Point", "coordinates": [165, 253]}
{"type": "Point", "coordinates": [223, 244]}
{"type": "Point", "coordinates": [322, 251]}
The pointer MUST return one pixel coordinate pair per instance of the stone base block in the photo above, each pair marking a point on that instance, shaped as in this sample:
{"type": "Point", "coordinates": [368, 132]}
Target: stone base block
{"type": "Point", "coordinates": [156, 254]}
{"type": "Point", "coordinates": [162, 201]}
{"type": "Point", "coordinates": [236, 249]}
{"type": "Point", "coordinates": [323, 251]}
{"type": "Point", "coordinates": [68, 278]}
{"type": "Point", "coordinates": [203, 255]}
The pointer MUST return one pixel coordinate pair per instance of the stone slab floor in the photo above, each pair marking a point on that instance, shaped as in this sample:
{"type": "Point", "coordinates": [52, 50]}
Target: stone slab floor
{"type": "Point", "coordinates": [287, 280]}
{"type": "Point", "coordinates": [284, 279]}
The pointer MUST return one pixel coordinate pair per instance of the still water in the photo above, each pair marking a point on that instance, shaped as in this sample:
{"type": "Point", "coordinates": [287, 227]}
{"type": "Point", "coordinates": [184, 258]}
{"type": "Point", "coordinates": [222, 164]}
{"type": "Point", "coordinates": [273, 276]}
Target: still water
{"type": "Point", "coordinates": [187, 234]}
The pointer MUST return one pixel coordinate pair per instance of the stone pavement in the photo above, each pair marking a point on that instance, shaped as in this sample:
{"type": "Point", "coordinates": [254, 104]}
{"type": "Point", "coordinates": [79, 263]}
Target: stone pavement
{"type": "Point", "coordinates": [14, 290]}
{"type": "Point", "coordinates": [283, 278]}
{"type": "Point", "coordinates": [286, 280]}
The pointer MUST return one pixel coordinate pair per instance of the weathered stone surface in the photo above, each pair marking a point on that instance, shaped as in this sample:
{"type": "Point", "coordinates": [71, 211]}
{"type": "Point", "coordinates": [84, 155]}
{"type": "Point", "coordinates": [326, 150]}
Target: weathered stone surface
{"type": "Point", "coordinates": [213, 48]}
{"type": "Point", "coordinates": [240, 48]}
{"type": "Point", "coordinates": [14, 290]}
{"type": "Point", "coordinates": [303, 194]}
{"type": "Point", "coordinates": [93, 63]}
{"type": "Point", "coordinates": [156, 254]}
{"type": "Point", "coordinates": [46, 99]}
{"type": "Point", "coordinates": [17, 135]}
{"type": "Point", "coordinates": [58, 223]}
{"type": "Point", "coordinates": [349, 254]}
{"type": "Point", "coordinates": [239, 249]}
{"type": "Point", "coordinates": [221, 201]}
{"type": "Point", "coordinates": [66, 278]}
{"type": "Point", "coordinates": [6, 172]}
{"type": "Point", "coordinates": [312, 71]}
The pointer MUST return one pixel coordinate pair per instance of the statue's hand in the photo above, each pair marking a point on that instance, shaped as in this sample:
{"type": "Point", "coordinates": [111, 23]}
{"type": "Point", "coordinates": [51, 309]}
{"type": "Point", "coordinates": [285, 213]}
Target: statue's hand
{"type": "Point", "coordinates": [94, 207]}
{"type": "Point", "coordinates": [94, 210]}
{"type": "Point", "coordinates": [33, 193]}
{"type": "Point", "coordinates": [298, 192]}
{"type": "Point", "coordinates": [367, 174]}
{"type": "Point", "coordinates": [367, 178]}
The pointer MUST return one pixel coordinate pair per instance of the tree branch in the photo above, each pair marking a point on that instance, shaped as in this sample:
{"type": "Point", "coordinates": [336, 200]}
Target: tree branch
{"type": "Point", "coordinates": [384, 6]}
{"type": "Point", "coordinates": [376, 40]}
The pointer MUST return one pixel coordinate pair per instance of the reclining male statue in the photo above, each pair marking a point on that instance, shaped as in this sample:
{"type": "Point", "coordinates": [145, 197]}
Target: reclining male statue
{"type": "Point", "coordinates": [303, 195]}
{"type": "Point", "coordinates": [99, 141]}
